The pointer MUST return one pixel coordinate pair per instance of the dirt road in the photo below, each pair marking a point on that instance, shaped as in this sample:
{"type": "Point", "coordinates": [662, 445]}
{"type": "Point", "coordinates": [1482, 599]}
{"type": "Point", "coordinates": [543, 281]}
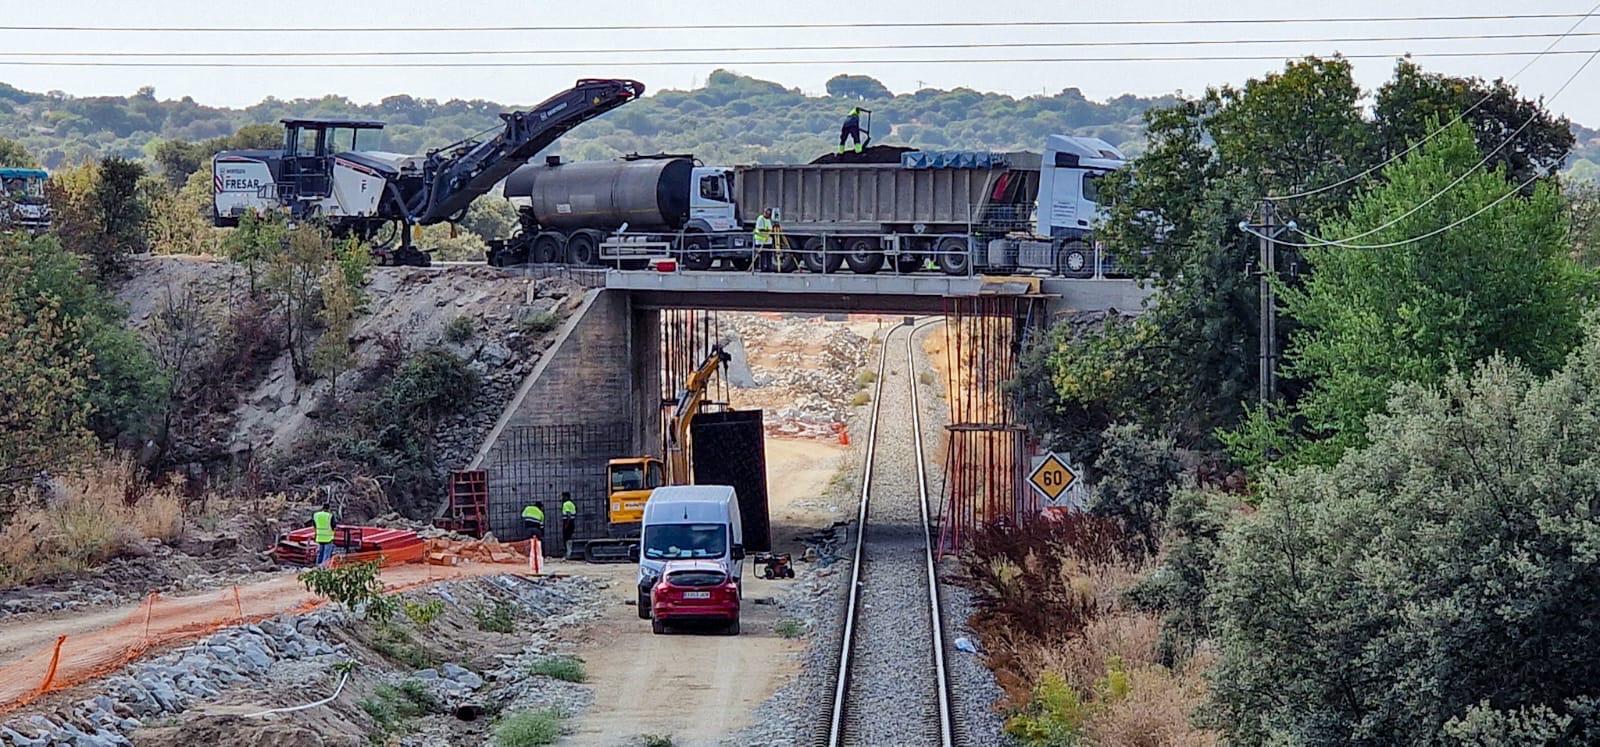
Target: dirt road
{"type": "Point", "coordinates": [696, 687]}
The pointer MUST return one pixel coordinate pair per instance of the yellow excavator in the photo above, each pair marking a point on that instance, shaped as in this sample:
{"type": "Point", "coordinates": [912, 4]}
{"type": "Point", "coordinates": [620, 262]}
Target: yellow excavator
{"type": "Point", "coordinates": [631, 480]}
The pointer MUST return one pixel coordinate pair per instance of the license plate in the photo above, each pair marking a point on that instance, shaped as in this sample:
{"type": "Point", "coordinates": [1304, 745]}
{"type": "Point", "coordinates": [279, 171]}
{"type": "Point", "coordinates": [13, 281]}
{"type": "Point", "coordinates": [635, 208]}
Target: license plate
{"type": "Point", "coordinates": [697, 595]}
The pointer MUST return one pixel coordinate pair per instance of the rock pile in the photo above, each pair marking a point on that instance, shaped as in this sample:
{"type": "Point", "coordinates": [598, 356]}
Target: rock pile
{"type": "Point", "coordinates": [804, 371]}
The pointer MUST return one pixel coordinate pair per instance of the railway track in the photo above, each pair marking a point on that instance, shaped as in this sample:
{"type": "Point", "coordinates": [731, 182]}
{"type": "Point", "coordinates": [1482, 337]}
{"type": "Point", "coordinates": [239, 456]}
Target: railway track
{"type": "Point", "coordinates": [892, 685]}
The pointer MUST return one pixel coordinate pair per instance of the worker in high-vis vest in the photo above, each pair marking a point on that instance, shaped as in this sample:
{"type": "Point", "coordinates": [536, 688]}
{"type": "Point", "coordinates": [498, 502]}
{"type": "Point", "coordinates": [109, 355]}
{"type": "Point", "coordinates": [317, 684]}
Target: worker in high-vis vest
{"type": "Point", "coordinates": [851, 128]}
{"type": "Point", "coordinates": [761, 237]}
{"type": "Point", "coordinates": [569, 517]}
{"type": "Point", "coordinates": [323, 521]}
{"type": "Point", "coordinates": [533, 519]}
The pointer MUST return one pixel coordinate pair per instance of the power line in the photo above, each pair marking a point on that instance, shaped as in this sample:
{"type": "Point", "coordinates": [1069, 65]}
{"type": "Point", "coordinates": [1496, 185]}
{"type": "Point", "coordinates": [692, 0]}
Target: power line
{"type": "Point", "coordinates": [738, 63]}
{"type": "Point", "coordinates": [1441, 128]}
{"type": "Point", "coordinates": [825, 47]}
{"type": "Point", "coordinates": [759, 26]}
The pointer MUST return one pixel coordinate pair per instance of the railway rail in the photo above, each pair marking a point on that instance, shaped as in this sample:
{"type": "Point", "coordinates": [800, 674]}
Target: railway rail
{"type": "Point", "coordinates": [892, 682]}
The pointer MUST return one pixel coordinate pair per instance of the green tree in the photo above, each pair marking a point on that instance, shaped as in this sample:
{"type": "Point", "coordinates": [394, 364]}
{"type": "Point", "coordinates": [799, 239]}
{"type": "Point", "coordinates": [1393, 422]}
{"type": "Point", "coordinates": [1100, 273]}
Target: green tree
{"type": "Point", "coordinates": [491, 217]}
{"type": "Point", "coordinates": [1134, 479]}
{"type": "Point", "coordinates": [257, 242]}
{"type": "Point", "coordinates": [333, 355]}
{"type": "Point", "coordinates": [1413, 102]}
{"type": "Point", "coordinates": [1370, 318]}
{"type": "Point", "coordinates": [1433, 584]}
{"type": "Point", "coordinates": [857, 87]}
{"type": "Point", "coordinates": [12, 153]}
{"type": "Point", "coordinates": [294, 277]}
{"type": "Point", "coordinates": [101, 213]}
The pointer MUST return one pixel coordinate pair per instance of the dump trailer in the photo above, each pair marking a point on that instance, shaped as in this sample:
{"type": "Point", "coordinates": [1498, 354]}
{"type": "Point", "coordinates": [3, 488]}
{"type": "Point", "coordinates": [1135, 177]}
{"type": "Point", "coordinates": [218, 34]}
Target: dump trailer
{"type": "Point", "coordinates": [619, 212]}
{"type": "Point", "coordinates": [965, 211]}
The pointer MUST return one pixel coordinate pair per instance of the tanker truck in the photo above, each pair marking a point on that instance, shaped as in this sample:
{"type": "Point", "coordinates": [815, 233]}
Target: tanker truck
{"type": "Point", "coordinates": [962, 212]}
{"type": "Point", "coordinates": [622, 212]}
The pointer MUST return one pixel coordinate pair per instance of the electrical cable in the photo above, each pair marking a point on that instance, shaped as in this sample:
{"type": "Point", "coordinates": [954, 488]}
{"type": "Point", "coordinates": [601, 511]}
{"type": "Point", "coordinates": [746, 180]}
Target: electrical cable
{"type": "Point", "coordinates": [1417, 144]}
{"type": "Point", "coordinates": [761, 26]}
{"type": "Point", "coordinates": [737, 63]}
{"type": "Point", "coordinates": [830, 47]}
{"type": "Point", "coordinates": [1458, 180]}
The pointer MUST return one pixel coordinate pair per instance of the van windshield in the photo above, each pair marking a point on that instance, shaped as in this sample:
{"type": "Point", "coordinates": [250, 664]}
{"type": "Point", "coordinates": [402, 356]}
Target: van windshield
{"type": "Point", "coordinates": [679, 541]}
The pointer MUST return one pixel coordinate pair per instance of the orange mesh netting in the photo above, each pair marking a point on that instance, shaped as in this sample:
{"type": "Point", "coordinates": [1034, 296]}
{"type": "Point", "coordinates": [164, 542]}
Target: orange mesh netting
{"type": "Point", "coordinates": [43, 656]}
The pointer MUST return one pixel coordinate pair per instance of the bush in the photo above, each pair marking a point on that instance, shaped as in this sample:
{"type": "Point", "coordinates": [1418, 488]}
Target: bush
{"type": "Point", "coordinates": [1136, 475]}
{"type": "Point", "coordinates": [398, 645]}
{"type": "Point", "coordinates": [391, 706]}
{"type": "Point", "coordinates": [422, 614]}
{"type": "Point", "coordinates": [460, 329]}
{"type": "Point", "coordinates": [790, 628]}
{"type": "Point", "coordinates": [98, 514]}
{"type": "Point", "coordinates": [357, 586]}
{"type": "Point", "coordinates": [564, 668]}
{"type": "Point", "coordinates": [529, 729]}
{"type": "Point", "coordinates": [860, 399]}
{"type": "Point", "coordinates": [499, 618]}
{"type": "Point", "coordinates": [866, 377]}
{"type": "Point", "coordinates": [540, 324]}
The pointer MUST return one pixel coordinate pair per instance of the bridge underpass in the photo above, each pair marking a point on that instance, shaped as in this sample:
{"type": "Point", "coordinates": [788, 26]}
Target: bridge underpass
{"type": "Point", "coordinates": [598, 393]}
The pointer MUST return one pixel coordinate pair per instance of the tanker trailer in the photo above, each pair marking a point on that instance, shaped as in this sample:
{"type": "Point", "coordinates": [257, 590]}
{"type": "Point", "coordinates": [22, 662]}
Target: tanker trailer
{"type": "Point", "coordinates": [618, 212]}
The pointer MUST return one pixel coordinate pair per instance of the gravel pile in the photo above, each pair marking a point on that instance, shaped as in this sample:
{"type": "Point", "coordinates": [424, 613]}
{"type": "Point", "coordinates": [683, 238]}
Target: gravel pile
{"type": "Point", "coordinates": [807, 384]}
{"type": "Point", "coordinates": [172, 683]}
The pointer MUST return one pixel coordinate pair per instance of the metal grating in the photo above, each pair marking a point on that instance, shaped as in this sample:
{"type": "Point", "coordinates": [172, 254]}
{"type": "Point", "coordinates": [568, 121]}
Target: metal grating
{"type": "Point", "coordinates": [539, 462]}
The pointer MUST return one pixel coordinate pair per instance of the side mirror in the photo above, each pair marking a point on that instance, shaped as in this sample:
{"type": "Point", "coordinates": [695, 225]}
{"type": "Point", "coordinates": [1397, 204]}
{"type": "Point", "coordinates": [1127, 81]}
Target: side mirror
{"type": "Point", "coordinates": [633, 553]}
{"type": "Point", "coordinates": [738, 552]}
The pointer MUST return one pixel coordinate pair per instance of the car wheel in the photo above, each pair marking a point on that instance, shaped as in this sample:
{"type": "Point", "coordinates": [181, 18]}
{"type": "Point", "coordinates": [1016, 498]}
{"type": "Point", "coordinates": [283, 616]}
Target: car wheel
{"type": "Point", "coordinates": [658, 627]}
{"type": "Point", "coordinates": [644, 606]}
{"type": "Point", "coordinates": [546, 247]}
{"type": "Point", "coordinates": [732, 629]}
{"type": "Point", "coordinates": [581, 250]}
{"type": "Point", "coordinates": [696, 253]}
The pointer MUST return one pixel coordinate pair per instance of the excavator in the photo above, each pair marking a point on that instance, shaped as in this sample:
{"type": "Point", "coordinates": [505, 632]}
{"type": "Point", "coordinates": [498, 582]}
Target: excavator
{"type": "Point", "coordinates": [322, 172]}
{"type": "Point", "coordinates": [631, 480]}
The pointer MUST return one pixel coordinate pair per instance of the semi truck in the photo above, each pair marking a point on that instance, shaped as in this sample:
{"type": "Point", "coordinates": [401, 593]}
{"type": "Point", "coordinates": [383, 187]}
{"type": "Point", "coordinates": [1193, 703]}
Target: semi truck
{"type": "Point", "coordinates": [906, 210]}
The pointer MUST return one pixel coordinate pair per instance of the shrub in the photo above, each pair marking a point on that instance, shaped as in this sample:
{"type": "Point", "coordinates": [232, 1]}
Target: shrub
{"type": "Point", "coordinates": [1136, 477]}
{"type": "Point", "coordinates": [498, 618]}
{"type": "Point", "coordinates": [790, 628]}
{"type": "Point", "coordinates": [398, 645]}
{"type": "Point", "coordinates": [540, 324]}
{"type": "Point", "coordinates": [529, 729]}
{"type": "Point", "coordinates": [391, 706]}
{"type": "Point", "coordinates": [860, 399]}
{"type": "Point", "coordinates": [656, 740]}
{"type": "Point", "coordinates": [564, 668]}
{"type": "Point", "coordinates": [866, 377]}
{"type": "Point", "coordinates": [1054, 717]}
{"type": "Point", "coordinates": [460, 329]}
{"type": "Point", "coordinates": [354, 585]}
{"type": "Point", "coordinates": [422, 614]}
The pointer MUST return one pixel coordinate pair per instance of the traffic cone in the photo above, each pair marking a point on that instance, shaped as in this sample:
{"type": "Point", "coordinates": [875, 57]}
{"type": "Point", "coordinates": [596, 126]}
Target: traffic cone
{"type": "Point", "coordinates": [535, 556]}
{"type": "Point", "coordinates": [844, 433]}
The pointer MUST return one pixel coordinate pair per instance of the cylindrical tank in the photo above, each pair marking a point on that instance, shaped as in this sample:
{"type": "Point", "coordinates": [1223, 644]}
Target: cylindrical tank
{"type": "Point", "coordinates": [650, 194]}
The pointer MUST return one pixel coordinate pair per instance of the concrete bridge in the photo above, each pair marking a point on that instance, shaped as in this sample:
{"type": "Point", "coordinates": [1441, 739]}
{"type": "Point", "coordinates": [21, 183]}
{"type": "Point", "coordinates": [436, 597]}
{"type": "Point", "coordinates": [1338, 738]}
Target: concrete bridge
{"type": "Point", "coordinates": [596, 393]}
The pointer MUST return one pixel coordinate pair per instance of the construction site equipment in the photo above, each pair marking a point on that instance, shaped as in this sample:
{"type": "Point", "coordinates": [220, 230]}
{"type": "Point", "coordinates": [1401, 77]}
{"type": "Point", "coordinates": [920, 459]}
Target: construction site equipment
{"type": "Point", "coordinates": [352, 544]}
{"type": "Point", "coordinates": [320, 174]}
{"type": "Point", "coordinates": [632, 480]}
{"type": "Point", "coordinates": [22, 202]}
{"type": "Point", "coordinates": [468, 509]}
{"type": "Point", "coordinates": [730, 448]}
{"type": "Point", "coordinates": [775, 565]}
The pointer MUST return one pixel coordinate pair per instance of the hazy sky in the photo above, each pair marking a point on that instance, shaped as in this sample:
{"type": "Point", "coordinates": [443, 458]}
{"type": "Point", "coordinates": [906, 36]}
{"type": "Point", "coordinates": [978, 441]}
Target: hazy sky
{"type": "Point", "coordinates": [607, 53]}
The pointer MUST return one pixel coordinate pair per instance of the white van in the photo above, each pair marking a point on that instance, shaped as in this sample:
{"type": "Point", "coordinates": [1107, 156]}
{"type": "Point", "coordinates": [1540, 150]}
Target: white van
{"type": "Point", "coordinates": [689, 522]}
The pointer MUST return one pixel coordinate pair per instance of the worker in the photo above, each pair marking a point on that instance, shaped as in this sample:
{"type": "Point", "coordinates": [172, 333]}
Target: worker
{"type": "Point", "coordinates": [533, 519]}
{"type": "Point", "coordinates": [851, 128]}
{"type": "Point", "coordinates": [569, 517]}
{"type": "Point", "coordinates": [323, 521]}
{"type": "Point", "coordinates": [762, 239]}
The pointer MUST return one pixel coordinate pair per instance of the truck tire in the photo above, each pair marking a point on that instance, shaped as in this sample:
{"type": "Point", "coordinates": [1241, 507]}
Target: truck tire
{"type": "Point", "coordinates": [954, 257]}
{"type": "Point", "coordinates": [864, 255]}
{"type": "Point", "coordinates": [546, 247]}
{"type": "Point", "coordinates": [582, 249]}
{"type": "Point", "coordinates": [697, 253]}
{"type": "Point", "coordinates": [644, 605]}
{"type": "Point", "coordinates": [1075, 259]}
{"type": "Point", "coordinates": [819, 260]}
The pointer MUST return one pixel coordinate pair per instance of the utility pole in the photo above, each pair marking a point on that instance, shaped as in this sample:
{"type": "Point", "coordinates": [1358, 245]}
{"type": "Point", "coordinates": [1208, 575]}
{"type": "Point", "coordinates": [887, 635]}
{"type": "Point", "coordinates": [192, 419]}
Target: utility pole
{"type": "Point", "coordinates": [1267, 269]}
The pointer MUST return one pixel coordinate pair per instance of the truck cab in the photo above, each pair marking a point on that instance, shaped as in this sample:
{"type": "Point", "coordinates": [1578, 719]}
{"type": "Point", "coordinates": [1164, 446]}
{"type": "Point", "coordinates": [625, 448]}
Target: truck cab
{"type": "Point", "coordinates": [711, 199]}
{"type": "Point", "coordinates": [24, 191]}
{"type": "Point", "coordinates": [319, 172]}
{"type": "Point", "coordinates": [1069, 177]}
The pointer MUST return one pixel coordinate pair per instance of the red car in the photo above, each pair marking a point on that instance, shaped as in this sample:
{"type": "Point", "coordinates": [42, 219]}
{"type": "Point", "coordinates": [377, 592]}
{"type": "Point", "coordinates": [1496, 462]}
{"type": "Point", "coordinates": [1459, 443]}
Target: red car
{"type": "Point", "coordinates": [695, 591]}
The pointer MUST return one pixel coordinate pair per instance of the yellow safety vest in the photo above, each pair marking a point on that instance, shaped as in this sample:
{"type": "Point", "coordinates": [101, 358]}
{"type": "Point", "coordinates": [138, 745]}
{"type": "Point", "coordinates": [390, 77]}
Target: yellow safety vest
{"type": "Point", "coordinates": [533, 512]}
{"type": "Point", "coordinates": [763, 233]}
{"type": "Point", "coordinates": [569, 509]}
{"type": "Point", "coordinates": [324, 523]}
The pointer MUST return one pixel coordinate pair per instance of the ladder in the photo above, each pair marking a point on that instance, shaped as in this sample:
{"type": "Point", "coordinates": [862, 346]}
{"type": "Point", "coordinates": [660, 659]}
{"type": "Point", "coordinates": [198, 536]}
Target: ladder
{"type": "Point", "coordinates": [468, 512]}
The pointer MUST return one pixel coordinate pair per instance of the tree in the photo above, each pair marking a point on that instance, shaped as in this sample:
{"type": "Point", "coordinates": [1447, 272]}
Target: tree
{"type": "Point", "coordinates": [333, 355]}
{"type": "Point", "coordinates": [860, 87]}
{"type": "Point", "coordinates": [1136, 475]}
{"type": "Point", "coordinates": [176, 337]}
{"type": "Point", "coordinates": [101, 212]}
{"type": "Point", "coordinates": [1435, 583]}
{"type": "Point", "coordinates": [294, 279]}
{"type": "Point", "coordinates": [258, 241]}
{"type": "Point", "coordinates": [1370, 318]}
{"type": "Point", "coordinates": [12, 153]}
{"type": "Point", "coordinates": [491, 217]}
{"type": "Point", "coordinates": [1413, 103]}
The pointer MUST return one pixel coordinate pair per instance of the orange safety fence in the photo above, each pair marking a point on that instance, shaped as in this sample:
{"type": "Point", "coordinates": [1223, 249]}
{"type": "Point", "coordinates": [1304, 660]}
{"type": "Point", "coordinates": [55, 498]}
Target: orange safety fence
{"type": "Point", "coordinates": [36, 659]}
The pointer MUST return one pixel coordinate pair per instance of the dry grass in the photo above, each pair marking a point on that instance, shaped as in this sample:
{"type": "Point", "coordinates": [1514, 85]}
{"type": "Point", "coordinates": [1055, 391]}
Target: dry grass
{"type": "Point", "coordinates": [1081, 661]}
{"type": "Point", "coordinates": [1155, 711]}
{"type": "Point", "coordinates": [96, 515]}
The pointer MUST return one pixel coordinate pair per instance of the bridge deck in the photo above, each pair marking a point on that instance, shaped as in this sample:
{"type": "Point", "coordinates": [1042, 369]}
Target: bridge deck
{"type": "Point", "coordinates": [848, 292]}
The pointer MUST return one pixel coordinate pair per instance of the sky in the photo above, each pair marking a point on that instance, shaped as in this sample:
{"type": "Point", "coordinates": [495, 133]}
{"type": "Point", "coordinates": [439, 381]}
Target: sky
{"type": "Point", "coordinates": [586, 52]}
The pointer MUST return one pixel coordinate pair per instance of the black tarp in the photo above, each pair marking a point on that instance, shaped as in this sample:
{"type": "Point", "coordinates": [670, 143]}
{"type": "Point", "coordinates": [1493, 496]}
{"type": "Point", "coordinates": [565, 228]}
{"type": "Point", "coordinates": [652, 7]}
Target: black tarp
{"type": "Point", "coordinates": [730, 449]}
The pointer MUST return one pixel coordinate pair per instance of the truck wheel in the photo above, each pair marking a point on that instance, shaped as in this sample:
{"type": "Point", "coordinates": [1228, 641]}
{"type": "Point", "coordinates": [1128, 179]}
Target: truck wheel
{"type": "Point", "coordinates": [1073, 259]}
{"type": "Point", "coordinates": [863, 255]}
{"type": "Point", "coordinates": [582, 250]}
{"type": "Point", "coordinates": [644, 606]}
{"type": "Point", "coordinates": [546, 247]}
{"type": "Point", "coordinates": [819, 260]}
{"type": "Point", "coordinates": [657, 627]}
{"type": "Point", "coordinates": [954, 257]}
{"type": "Point", "coordinates": [697, 253]}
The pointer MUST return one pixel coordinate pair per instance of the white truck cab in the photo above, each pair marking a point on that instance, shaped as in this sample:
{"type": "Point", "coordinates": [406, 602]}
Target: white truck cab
{"type": "Point", "coordinates": [1069, 176]}
{"type": "Point", "coordinates": [689, 522]}
{"type": "Point", "coordinates": [711, 198]}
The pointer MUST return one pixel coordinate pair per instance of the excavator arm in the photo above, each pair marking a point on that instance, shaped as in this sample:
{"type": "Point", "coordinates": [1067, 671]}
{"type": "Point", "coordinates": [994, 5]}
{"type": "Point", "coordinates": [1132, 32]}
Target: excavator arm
{"type": "Point", "coordinates": [454, 176]}
{"type": "Point", "coordinates": [689, 404]}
